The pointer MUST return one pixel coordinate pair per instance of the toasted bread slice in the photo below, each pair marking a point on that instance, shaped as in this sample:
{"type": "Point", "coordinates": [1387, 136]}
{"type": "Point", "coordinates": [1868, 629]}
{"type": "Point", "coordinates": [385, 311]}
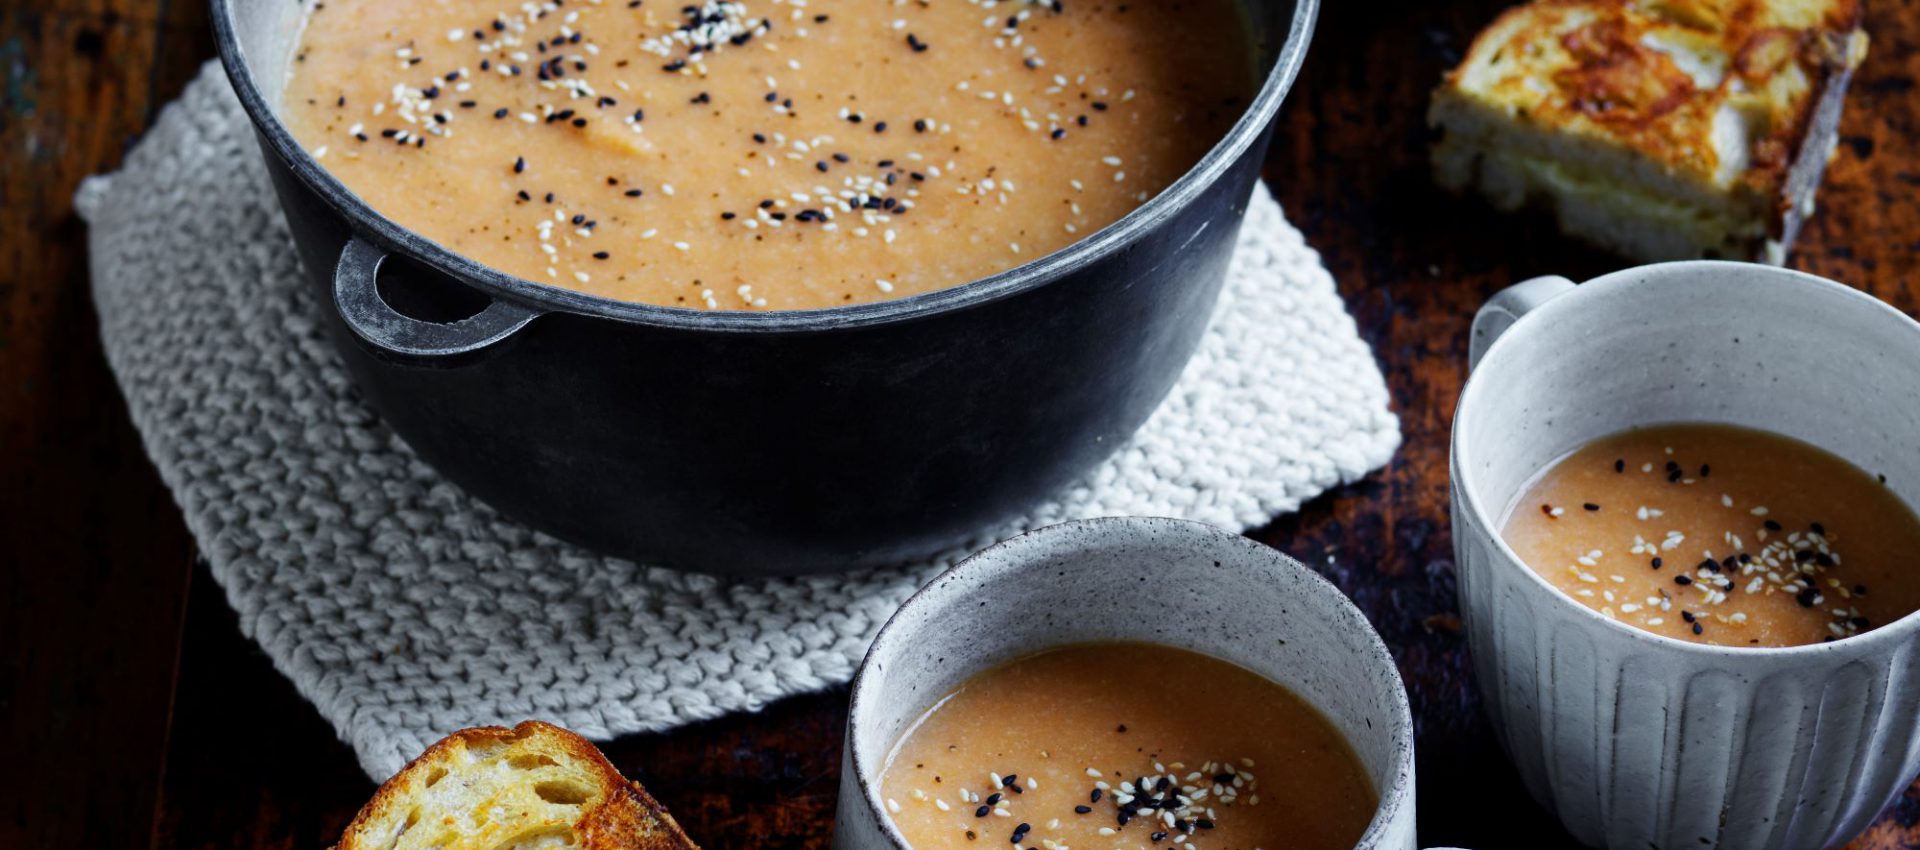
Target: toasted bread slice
{"type": "Point", "coordinates": [1664, 129]}
{"type": "Point", "coordinates": [533, 787]}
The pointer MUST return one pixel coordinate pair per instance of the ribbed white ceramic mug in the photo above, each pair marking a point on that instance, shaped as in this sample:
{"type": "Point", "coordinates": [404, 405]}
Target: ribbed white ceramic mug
{"type": "Point", "coordinates": [1640, 741]}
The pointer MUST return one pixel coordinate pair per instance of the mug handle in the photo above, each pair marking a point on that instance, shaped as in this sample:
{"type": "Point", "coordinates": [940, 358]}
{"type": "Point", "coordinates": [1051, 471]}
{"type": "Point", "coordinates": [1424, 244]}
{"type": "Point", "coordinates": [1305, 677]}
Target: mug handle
{"type": "Point", "coordinates": [400, 337]}
{"type": "Point", "coordinates": [1506, 307]}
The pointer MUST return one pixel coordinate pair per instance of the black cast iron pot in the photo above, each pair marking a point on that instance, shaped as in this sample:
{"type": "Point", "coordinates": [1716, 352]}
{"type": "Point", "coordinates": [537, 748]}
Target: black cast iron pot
{"type": "Point", "coordinates": [763, 443]}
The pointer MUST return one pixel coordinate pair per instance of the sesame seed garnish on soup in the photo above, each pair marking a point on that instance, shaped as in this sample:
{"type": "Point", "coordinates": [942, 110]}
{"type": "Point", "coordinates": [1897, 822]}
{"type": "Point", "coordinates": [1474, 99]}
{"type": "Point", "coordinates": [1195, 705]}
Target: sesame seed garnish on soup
{"type": "Point", "coordinates": [1104, 750]}
{"type": "Point", "coordinates": [1774, 542]}
{"type": "Point", "coordinates": [818, 146]}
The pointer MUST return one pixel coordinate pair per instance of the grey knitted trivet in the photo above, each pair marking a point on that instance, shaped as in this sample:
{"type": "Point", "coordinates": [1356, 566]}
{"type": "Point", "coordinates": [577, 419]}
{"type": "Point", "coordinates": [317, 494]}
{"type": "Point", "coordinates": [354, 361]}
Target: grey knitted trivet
{"type": "Point", "coordinates": [404, 609]}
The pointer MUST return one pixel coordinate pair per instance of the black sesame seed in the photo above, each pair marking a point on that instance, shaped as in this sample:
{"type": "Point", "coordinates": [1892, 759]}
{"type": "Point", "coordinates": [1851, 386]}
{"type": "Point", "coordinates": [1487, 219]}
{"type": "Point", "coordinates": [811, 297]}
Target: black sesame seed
{"type": "Point", "coordinates": [1819, 529]}
{"type": "Point", "coordinates": [634, 193]}
{"type": "Point", "coordinates": [1010, 780]}
{"type": "Point", "coordinates": [1591, 506]}
{"type": "Point", "coordinates": [1772, 526]}
{"type": "Point", "coordinates": [1059, 133]}
{"type": "Point", "coordinates": [519, 164]}
{"type": "Point", "coordinates": [1081, 810]}
{"type": "Point", "coordinates": [601, 255]}
{"type": "Point", "coordinates": [1095, 796]}
{"type": "Point", "coordinates": [1682, 580]}
{"type": "Point", "coordinates": [500, 113]}
{"type": "Point", "coordinates": [821, 165]}
{"type": "Point", "coordinates": [919, 126]}
{"type": "Point", "coordinates": [1100, 106]}
{"type": "Point", "coordinates": [982, 811]}
{"type": "Point", "coordinates": [1620, 466]}
{"type": "Point", "coordinates": [1658, 563]}
{"type": "Point", "coordinates": [1697, 629]}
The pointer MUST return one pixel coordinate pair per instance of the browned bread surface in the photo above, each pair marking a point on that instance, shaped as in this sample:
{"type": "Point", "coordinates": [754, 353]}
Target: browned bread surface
{"type": "Point", "coordinates": [533, 787]}
{"type": "Point", "coordinates": [1663, 128]}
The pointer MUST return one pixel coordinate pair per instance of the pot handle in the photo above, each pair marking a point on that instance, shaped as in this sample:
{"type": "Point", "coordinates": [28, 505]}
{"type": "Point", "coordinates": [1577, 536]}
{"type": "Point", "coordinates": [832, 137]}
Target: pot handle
{"type": "Point", "coordinates": [1508, 306]}
{"type": "Point", "coordinates": [398, 336]}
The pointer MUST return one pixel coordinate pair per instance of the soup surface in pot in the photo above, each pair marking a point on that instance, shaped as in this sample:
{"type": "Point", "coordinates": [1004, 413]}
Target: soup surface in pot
{"type": "Point", "coordinates": [763, 154]}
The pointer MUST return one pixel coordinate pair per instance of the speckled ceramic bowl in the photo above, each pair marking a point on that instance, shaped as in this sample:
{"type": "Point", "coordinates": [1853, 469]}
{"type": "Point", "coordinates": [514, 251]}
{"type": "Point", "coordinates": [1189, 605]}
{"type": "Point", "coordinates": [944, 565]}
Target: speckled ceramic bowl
{"type": "Point", "coordinates": [1078, 582]}
{"type": "Point", "coordinates": [1638, 740]}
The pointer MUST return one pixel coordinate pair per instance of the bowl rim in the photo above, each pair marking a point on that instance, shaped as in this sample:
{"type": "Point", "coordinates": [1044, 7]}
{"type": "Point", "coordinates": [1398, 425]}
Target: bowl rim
{"type": "Point", "coordinates": [390, 236]}
{"type": "Point", "coordinates": [1401, 766]}
{"type": "Point", "coordinates": [1486, 523]}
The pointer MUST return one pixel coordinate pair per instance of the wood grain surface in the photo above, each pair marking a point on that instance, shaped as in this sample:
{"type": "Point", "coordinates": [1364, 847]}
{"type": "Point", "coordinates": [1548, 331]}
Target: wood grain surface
{"type": "Point", "coordinates": [147, 719]}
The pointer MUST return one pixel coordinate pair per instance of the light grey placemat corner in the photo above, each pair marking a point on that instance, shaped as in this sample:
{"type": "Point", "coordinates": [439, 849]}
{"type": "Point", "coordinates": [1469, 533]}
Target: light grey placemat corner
{"type": "Point", "coordinates": [403, 609]}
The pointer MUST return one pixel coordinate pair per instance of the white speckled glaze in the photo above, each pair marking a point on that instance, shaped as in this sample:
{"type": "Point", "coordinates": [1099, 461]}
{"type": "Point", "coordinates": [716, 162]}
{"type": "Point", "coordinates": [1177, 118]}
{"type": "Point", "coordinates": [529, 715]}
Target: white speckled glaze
{"type": "Point", "coordinates": [1640, 741]}
{"type": "Point", "coordinates": [1212, 591]}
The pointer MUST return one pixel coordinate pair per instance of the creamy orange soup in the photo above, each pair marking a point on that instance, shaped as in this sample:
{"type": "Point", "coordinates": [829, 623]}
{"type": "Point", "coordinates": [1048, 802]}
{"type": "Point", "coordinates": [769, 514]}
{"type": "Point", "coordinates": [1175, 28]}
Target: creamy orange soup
{"type": "Point", "coordinates": [1721, 535]}
{"type": "Point", "coordinates": [763, 154]}
{"type": "Point", "coordinates": [1106, 746]}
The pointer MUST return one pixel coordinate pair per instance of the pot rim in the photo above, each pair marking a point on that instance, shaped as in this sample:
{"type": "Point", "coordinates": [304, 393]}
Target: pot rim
{"type": "Point", "coordinates": [391, 236]}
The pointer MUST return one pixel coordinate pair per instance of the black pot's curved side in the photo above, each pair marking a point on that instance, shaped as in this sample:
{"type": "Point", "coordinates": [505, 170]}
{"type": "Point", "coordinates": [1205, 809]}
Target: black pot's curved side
{"type": "Point", "coordinates": [803, 451]}
{"type": "Point", "coordinates": [782, 443]}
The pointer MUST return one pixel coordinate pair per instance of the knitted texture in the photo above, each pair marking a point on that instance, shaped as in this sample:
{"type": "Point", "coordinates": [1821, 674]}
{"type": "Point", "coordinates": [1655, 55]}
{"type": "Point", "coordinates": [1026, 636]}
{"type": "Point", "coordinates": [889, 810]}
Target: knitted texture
{"type": "Point", "coordinates": [404, 609]}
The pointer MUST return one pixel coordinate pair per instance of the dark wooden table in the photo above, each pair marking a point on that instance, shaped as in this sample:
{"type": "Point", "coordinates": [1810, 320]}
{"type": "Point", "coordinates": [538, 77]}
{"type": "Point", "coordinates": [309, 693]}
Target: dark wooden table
{"type": "Point", "coordinates": [137, 714]}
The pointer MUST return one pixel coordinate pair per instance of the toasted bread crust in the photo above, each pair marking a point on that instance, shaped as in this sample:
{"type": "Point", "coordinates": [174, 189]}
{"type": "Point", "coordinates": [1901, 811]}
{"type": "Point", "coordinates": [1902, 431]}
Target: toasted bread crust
{"type": "Point", "coordinates": [1665, 129]}
{"type": "Point", "coordinates": [1596, 74]}
{"type": "Point", "coordinates": [624, 817]}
